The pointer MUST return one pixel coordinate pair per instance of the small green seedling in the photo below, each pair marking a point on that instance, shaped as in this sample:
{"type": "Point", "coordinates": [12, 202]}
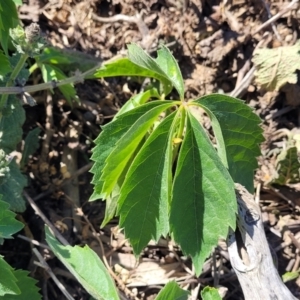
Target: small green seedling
{"type": "Point", "coordinates": [159, 171]}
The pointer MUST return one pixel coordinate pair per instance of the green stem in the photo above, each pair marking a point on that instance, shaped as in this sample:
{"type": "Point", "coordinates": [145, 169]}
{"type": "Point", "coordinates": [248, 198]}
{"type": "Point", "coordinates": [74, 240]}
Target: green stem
{"type": "Point", "coordinates": [53, 84]}
{"type": "Point", "coordinates": [33, 68]}
{"type": "Point", "coordinates": [12, 78]}
{"type": "Point", "coordinates": [182, 115]}
{"type": "Point", "coordinates": [182, 122]}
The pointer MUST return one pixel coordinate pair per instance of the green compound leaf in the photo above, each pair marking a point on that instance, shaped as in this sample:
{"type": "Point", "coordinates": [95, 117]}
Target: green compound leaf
{"type": "Point", "coordinates": [200, 213]}
{"type": "Point", "coordinates": [238, 135]}
{"type": "Point", "coordinates": [138, 100]}
{"type": "Point", "coordinates": [210, 293]}
{"type": "Point", "coordinates": [168, 72]}
{"type": "Point", "coordinates": [111, 206]}
{"type": "Point", "coordinates": [5, 65]}
{"type": "Point", "coordinates": [142, 59]}
{"type": "Point", "coordinates": [169, 65]}
{"type": "Point", "coordinates": [172, 291]}
{"type": "Point", "coordinates": [8, 283]}
{"type": "Point", "coordinates": [27, 286]}
{"type": "Point", "coordinates": [11, 125]}
{"type": "Point", "coordinates": [145, 194]}
{"type": "Point", "coordinates": [12, 188]}
{"type": "Point", "coordinates": [8, 19]}
{"type": "Point", "coordinates": [124, 67]}
{"type": "Point", "coordinates": [8, 224]}
{"type": "Point", "coordinates": [87, 268]}
{"type": "Point", "coordinates": [126, 146]}
{"type": "Point", "coordinates": [107, 140]}
{"type": "Point", "coordinates": [50, 73]}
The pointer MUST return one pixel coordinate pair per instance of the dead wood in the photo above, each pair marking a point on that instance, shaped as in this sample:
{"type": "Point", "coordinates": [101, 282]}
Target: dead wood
{"type": "Point", "coordinates": [250, 253]}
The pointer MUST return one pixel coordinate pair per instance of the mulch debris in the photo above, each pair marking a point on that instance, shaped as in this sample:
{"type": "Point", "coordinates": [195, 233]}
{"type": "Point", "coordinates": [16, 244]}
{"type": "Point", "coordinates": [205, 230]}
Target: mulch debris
{"type": "Point", "coordinates": [213, 42]}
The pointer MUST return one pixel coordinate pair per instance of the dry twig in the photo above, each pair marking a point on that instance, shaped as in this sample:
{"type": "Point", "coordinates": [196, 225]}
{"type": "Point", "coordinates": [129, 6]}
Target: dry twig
{"type": "Point", "coordinates": [44, 265]}
{"type": "Point", "coordinates": [289, 7]}
{"type": "Point", "coordinates": [137, 19]}
{"type": "Point", "coordinates": [45, 219]}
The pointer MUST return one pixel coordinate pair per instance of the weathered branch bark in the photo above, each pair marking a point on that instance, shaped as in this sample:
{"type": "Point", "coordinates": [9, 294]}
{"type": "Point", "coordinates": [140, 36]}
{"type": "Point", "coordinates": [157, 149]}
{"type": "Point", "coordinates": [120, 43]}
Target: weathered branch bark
{"type": "Point", "coordinates": [250, 254]}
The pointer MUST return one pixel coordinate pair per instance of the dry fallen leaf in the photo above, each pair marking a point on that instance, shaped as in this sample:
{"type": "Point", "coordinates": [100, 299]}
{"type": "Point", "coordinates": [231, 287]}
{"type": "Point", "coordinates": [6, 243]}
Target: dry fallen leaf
{"type": "Point", "coordinates": [276, 67]}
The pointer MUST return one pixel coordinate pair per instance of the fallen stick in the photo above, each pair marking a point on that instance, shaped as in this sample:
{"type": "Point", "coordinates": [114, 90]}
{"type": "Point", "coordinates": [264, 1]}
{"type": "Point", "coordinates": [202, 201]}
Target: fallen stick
{"type": "Point", "coordinates": [250, 255]}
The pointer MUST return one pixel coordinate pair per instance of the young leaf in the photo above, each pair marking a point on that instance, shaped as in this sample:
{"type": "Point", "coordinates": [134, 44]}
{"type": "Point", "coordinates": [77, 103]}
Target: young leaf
{"type": "Point", "coordinates": [8, 19]}
{"type": "Point", "coordinates": [124, 67]}
{"type": "Point", "coordinates": [111, 206]}
{"type": "Point", "coordinates": [8, 283]}
{"type": "Point", "coordinates": [5, 65]}
{"type": "Point", "coordinates": [145, 194]}
{"type": "Point", "coordinates": [87, 268]}
{"type": "Point", "coordinates": [138, 100]}
{"type": "Point", "coordinates": [141, 58]}
{"type": "Point", "coordinates": [288, 276]}
{"type": "Point", "coordinates": [125, 147]}
{"type": "Point", "coordinates": [12, 188]}
{"type": "Point", "coordinates": [273, 69]}
{"type": "Point", "coordinates": [238, 135]}
{"type": "Point", "coordinates": [200, 213]}
{"type": "Point", "coordinates": [106, 142]}
{"type": "Point", "coordinates": [18, 2]}
{"type": "Point", "coordinates": [50, 73]}
{"type": "Point", "coordinates": [172, 291]}
{"type": "Point", "coordinates": [8, 224]}
{"type": "Point", "coordinates": [169, 65]}
{"type": "Point", "coordinates": [210, 293]}
{"type": "Point", "coordinates": [31, 145]}
{"type": "Point", "coordinates": [27, 286]}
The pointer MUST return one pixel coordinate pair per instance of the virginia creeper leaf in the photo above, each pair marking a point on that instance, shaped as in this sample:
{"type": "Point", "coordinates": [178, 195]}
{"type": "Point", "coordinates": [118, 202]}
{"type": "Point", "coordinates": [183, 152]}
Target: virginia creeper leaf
{"type": "Point", "coordinates": [172, 291]}
{"type": "Point", "coordinates": [141, 58]}
{"type": "Point", "coordinates": [145, 194]}
{"type": "Point", "coordinates": [111, 207]}
{"type": "Point", "coordinates": [124, 67]}
{"type": "Point", "coordinates": [50, 72]}
{"type": "Point", "coordinates": [203, 200]}
{"type": "Point", "coordinates": [110, 135]}
{"type": "Point", "coordinates": [238, 135]}
{"type": "Point", "coordinates": [8, 223]}
{"type": "Point", "coordinates": [137, 100]}
{"type": "Point", "coordinates": [210, 293]}
{"type": "Point", "coordinates": [8, 283]}
{"type": "Point", "coordinates": [112, 200]}
{"type": "Point", "coordinates": [169, 65]}
{"type": "Point", "coordinates": [87, 268]}
{"type": "Point", "coordinates": [125, 147]}
{"type": "Point", "coordinates": [27, 286]}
